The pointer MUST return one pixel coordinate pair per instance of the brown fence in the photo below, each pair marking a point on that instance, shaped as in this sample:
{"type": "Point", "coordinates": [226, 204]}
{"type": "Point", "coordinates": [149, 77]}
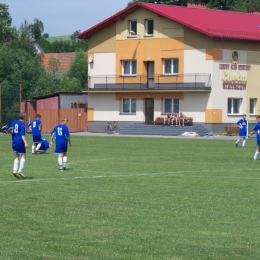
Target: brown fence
{"type": "Point", "coordinates": [51, 117]}
{"type": "Point", "coordinates": [77, 119]}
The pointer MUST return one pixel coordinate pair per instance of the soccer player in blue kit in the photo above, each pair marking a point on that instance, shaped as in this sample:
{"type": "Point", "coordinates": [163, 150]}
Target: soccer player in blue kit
{"type": "Point", "coordinates": [242, 124]}
{"type": "Point", "coordinates": [257, 131]}
{"type": "Point", "coordinates": [62, 137]}
{"type": "Point", "coordinates": [44, 147]}
{"type": "Point", "coordinates": [19, 145]}
{"type": "Point", "coordinates": [36, 127]}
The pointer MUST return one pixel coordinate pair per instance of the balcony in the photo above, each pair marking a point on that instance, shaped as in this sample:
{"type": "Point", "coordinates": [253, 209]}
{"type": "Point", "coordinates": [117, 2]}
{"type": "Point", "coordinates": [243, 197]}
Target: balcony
{"type": "Point", "coordinates": [153, 82]}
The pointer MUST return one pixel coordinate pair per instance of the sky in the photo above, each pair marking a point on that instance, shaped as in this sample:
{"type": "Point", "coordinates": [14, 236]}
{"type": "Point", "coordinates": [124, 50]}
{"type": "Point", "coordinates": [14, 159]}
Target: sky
{"type": "Point", "coordinates": [63, 17]}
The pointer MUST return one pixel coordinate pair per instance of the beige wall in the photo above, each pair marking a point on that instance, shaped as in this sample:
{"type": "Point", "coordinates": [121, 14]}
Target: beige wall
{"type": "Point", "coordinates": [163, 27]}
{"type": "Point", "coordinates": [253, 90]}
{"type": "Point", "coordinates": [103, 40]}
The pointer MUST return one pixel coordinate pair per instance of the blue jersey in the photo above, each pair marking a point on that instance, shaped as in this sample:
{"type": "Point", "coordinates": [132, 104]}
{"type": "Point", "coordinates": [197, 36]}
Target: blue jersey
{"type": "Point", "coordinates": [242, 123]}
{"type": "Point", "coordinates": [257, 130]}
{"type": "Point", "coordinates": [35, 125]}
{"type": "Point", "coordinates": [45, 145]}
{"type": "Point", "coordinates": [18, 130]}
{"type": "Point", "coordinates": [61, 133]}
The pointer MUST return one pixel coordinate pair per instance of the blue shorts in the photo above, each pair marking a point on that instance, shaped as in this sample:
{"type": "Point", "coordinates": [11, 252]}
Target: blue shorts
{"type": "Point", "coordinates": [19, 149]}
{"type": "Point", "coordinates": [37, 139]}
{"type": "Point", "coordinates": [59, 150]}
{"type": "Point", "coordinates": [258, 143]}
{"type": "Point", "coordinates": [242, 132]}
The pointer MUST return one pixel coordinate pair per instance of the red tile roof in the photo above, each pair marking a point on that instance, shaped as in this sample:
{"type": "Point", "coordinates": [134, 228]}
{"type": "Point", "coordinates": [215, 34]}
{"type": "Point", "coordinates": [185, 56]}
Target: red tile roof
{"type": "Point", "coordinates": [211, 22]}
{"type": "Point", "coordinates": [64, 58]}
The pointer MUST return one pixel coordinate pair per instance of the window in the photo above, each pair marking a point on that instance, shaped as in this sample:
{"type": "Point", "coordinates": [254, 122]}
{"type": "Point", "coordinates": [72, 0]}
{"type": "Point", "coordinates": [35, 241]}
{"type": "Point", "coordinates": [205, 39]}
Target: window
{"type": "Point", "coordinates": [171, 66]}
{"type": "Point", "coordinates": [149, 27]}
{"type": "Point", "coordinates": [133, 28]}
{"type": "Point", "coordinates": [252, 106]}
{"type": "Point", "coordinates": [171, 105]}
{"type": "Point", "coordinates": [129, 106]}
{"type": "Point", "coordinates": [234, 106]}
{"type": "Point", "coordinates": [129, 67]}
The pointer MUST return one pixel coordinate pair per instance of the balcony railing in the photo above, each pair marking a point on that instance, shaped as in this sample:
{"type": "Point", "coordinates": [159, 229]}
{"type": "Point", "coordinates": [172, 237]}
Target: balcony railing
{"type": "Point", "coordinates": [156, 82]}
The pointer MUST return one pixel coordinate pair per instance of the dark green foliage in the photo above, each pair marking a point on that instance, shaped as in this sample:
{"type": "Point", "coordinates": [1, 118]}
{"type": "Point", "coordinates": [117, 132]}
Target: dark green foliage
{"type": "Point", "coordinates": [233, 5]}
{"type": "Point", "coordinates": [6, 31]}
{"type": "Point", "coordinates": [45, 36]}
{"type": "Point", "coordinates": [10, 102]}
{"type": "Point", "coordinates": [63, 46]}
{"type": "Point", "coordinates": [36, 29]}
{"type": "Point", "coordinates": [79, 69]}
{"type": "Point", "coordinates": [19, 65]}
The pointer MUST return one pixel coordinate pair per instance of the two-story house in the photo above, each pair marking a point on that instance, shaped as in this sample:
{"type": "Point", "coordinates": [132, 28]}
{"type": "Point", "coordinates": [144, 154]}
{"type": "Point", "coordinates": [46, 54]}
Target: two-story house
{"type": "Point", "coordinates": [149, 59]}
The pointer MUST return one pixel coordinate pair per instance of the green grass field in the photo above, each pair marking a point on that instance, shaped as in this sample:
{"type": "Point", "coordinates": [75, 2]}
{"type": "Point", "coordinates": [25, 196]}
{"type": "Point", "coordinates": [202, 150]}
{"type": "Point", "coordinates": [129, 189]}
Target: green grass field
{"type": "Point", "coordinates": [132, 198]}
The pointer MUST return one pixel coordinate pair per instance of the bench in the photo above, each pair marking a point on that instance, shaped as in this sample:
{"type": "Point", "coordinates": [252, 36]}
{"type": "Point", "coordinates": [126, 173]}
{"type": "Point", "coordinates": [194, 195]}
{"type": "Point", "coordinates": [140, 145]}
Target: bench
{"type": "Point", "coordinates": [160, 120]}
{"type": "Point", "coordinates": [232, 130]}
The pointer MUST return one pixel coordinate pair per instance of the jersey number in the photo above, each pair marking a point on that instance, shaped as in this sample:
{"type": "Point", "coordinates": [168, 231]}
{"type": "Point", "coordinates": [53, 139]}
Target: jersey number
{"type": "Point", "coordinates": [16, 128]}
{"type": "Point", "coordinates": [59, 131]}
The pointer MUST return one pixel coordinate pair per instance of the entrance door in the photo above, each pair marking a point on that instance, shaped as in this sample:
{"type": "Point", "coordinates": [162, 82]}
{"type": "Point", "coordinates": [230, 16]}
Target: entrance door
{"type": "Point", "coordinates": [149, 110]}
{"type": "Point", "coordinates": [150, 74]}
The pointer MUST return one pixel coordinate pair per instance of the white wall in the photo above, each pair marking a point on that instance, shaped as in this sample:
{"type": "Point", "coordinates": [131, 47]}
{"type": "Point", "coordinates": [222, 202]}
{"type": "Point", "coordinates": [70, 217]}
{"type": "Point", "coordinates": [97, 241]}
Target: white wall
{"type": "Point", "coordinates": [106, 108]}
{"type": "Point", "coordinates": [103, 64]}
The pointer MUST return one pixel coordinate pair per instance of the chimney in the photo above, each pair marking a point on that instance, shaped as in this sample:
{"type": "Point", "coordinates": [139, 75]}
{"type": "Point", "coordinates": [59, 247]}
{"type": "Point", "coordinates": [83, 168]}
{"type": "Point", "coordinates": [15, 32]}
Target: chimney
{"type": "Point", "coordinates": [197, 5]}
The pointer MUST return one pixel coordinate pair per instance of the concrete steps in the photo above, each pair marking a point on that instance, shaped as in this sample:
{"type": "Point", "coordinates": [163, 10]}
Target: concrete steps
{"type": "Point", "coordinates": [143, 129]}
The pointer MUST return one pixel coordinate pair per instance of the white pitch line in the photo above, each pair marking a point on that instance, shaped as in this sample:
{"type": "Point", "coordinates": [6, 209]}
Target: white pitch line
{"type": "Point", "coordinates": [165, 174]}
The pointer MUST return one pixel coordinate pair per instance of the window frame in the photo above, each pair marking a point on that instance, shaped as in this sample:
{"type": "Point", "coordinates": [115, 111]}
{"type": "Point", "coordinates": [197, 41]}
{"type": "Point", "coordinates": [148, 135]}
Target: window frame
{"type": "Point", "coordinates": [124, 62]}
{"type": "Point", "coordinates": [254, 106]}
{"type": "Point", "coordinates": [172, 66]}
{"type": "Point", "coordinates": [131, 22]}
{"type": "Point", "coordinates": [175, 106]}
{"type": "Point", "coordinates": [147, 27]}
{"type": "Point", "coordinates": [130, 112]}
{"type": "Point", "coordinates": [231, 107]}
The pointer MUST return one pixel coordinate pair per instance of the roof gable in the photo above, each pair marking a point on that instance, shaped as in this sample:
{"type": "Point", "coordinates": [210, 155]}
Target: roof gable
{"type": "Point", "coordinates": [211, 22]}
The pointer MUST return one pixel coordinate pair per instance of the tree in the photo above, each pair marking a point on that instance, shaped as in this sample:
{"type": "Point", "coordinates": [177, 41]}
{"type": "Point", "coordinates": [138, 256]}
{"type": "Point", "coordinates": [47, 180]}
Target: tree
{"type": "Point", "coordinates": [168, 2]}
{"type": "Point", "coordinates": [221, 4]}
{"type": "Point", "coordinates": [73, 37]}
{"type": "Point", "coordinates": [45, 36]}
{"type": "Point", "coordinates": [79, 69]}
{"type": "Point", "coordinates": [54, 65]}
{"type": "Point", "coordinates": [18, 65]}
{"type": "Point", "coordinates": [36, 29]}
{"type": "Point", "coordinates": [5, 23]}
{"type": "Point", "coordinates": [70, 84]}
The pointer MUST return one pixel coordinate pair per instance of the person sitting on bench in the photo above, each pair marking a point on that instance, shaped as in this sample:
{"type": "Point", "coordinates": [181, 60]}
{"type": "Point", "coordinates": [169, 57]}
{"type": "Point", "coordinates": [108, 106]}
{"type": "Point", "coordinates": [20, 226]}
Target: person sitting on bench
{"type": "Point", "coordinates": [167, 119]}
{"type": "Point", "coordinates": [182, 119]}
{"type": "Point", "coordinates": [175, 119]}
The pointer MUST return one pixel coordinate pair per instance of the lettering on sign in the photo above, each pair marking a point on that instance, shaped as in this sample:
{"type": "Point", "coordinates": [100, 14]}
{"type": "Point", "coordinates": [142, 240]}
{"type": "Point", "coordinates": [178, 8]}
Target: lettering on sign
{"type": "Point", "coordinates": [224, 66]}
{"type": "Point", "coordinates": [244, 67]}
{"type": "Point", "coordinates": [234, 67]}
{"type": "Point", "coordinates": [231, 85]}
{"type": "Point", "coordinates": [234, 81]}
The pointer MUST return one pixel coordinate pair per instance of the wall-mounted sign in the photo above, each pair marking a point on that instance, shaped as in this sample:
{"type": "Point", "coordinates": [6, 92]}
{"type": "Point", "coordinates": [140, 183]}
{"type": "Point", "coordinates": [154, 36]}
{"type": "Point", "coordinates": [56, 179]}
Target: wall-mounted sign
{"type": "Point", "coordinates": [234, 56]}
{"type": "Point", "coordinates": [224, 66]}
{"type": "Point", "coordinates": [244, 67]}
{"type": "Point", "coordinates": [234, 81]}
